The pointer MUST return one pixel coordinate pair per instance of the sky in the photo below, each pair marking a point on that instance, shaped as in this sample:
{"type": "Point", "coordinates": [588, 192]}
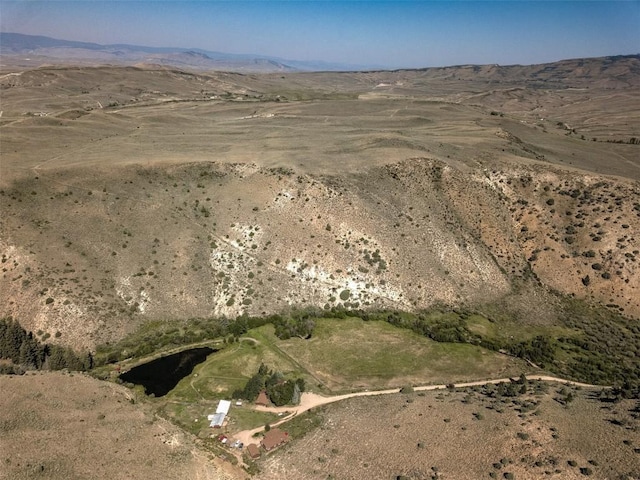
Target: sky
{"type": "Point", "coordinates": [390, 34]}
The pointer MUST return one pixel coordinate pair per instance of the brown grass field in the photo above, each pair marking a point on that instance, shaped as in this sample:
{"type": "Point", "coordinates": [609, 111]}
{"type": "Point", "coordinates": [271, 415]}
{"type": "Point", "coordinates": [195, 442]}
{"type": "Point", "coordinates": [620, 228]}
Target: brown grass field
{"type": "Point", "coordinates": [464, 435]}
{"type": "Point", "coordinates": [71, 426]}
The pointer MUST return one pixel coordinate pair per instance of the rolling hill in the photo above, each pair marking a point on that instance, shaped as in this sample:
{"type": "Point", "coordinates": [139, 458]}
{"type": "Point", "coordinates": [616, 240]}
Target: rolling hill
{"type": "Point", "coordinates": [141, 193]}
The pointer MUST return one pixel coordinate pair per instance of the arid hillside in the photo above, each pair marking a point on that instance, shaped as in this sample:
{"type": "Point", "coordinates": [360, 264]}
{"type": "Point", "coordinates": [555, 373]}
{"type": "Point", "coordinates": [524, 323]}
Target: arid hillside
{"type": "Point", "coordinates": [70, 426]}
{"type": "Point", "coordinates": [132, 194]}
{"type": "Point", "coordinates": [467, 434]}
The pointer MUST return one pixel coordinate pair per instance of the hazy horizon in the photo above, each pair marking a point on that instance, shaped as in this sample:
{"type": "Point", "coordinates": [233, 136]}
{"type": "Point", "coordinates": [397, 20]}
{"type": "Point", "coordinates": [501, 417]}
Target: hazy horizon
{"type": "Point", "coordinates": [400, 34]}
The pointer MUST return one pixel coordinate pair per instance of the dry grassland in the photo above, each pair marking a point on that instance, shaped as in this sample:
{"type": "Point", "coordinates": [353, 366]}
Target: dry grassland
{"type": "Point", "coordinates": [70, 426]}
{"type": "Point", "coordinates": [167, 194]}
{"type": "Point", "coordinates": [130, 195]}
{"type": "Point", "coordinates": [464, 435]}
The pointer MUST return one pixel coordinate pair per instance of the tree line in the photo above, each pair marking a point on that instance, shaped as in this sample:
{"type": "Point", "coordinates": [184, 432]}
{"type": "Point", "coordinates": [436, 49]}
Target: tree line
{"type": "Point", "coordinates": [170, 334]}
{"type": "Point", "coordinates": [604, 350]}
{"type": "Point", "coordinates": [26, 352]}
{"type": "Point", "coordinates": [279, 390]}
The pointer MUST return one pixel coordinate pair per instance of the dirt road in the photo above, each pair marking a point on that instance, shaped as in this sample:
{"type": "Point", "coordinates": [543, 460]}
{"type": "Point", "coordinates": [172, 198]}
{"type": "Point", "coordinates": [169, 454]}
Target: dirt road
{"type": "Point", "coordinates": [310, 400]}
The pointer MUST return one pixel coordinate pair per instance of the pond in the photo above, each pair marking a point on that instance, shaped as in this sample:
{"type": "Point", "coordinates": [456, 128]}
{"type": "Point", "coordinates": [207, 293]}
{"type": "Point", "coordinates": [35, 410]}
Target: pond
{"type": "Point", "coordinates": [160, 376]}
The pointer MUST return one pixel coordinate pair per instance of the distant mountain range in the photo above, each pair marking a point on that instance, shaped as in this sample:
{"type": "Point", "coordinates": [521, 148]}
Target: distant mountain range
{"type": "Point", "coordinates": [34, 50]}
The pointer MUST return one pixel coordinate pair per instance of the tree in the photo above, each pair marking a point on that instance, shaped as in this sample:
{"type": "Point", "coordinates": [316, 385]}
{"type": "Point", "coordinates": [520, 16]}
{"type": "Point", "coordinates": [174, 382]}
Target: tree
{"type": "Point", "coordinates": [56, 360]}
{"type": "Point", "coordinates": [24, 349]}
{"type": "Point", "coordinates": [71, 360]}
{"type": "Point", "coordinates": [13, 337]}
{"type": "Point", "coordinates": [87, 362]}
{"type": "Point", "coordinates": [29, 354]}
{"type": "Point", "coordinates": [253, 387]}
{"type": "Point", "coordinates": [282, 393]}
{"type": "Point", "coordinates": [297, 394]}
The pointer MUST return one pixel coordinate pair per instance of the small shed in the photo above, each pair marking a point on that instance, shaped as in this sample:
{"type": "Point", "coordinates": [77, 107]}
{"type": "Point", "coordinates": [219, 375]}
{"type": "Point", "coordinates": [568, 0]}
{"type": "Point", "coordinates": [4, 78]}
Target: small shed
{"type": "Point", "coordinates": [262, 399]}
{"type": "Point", "coordinates": [253, 450]}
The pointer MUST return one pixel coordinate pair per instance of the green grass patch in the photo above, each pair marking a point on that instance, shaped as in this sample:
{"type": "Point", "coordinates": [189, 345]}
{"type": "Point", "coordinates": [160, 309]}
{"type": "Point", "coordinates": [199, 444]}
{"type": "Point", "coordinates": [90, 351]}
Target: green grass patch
{"type": "Point", "coordinates": [230, 368]}
{"type": "Point", "coordinates": [350, 352]}
{"type": "Point", "coordinates": [189, 416]}
{"type": "Point", "coordinates": [244, 418]}
{"type": "Point", "coordinates": [192, 416]}
{"type": "Point", "coordinates": [507, 331]}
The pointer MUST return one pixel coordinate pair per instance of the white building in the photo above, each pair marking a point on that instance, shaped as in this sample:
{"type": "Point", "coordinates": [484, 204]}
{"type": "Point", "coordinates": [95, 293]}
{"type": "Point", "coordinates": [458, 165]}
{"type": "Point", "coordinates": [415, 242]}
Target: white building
{"type": "Point", "coordinates": [217, 419]}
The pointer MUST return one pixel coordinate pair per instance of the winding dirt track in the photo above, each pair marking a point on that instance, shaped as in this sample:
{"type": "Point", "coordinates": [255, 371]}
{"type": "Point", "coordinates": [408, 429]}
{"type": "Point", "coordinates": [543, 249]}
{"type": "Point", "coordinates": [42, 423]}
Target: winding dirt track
{"type": "Point", "coordinates": [310, 400]}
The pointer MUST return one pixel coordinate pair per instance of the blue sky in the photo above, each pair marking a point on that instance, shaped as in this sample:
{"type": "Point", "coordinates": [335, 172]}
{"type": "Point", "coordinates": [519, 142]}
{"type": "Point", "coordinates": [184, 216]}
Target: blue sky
{"type": "Point", "coordinates": [392, 34]}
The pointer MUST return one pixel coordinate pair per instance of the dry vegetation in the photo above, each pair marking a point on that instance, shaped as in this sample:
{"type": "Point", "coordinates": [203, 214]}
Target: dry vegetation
{"type": "Point", "coordinates": [164, 194]}
{"type": "Point", "coordinates": [70, 426]}
{"type": "Point", "coordinates": [466, 435]}
{"type": "Point", "coordinates": [136, 195]}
